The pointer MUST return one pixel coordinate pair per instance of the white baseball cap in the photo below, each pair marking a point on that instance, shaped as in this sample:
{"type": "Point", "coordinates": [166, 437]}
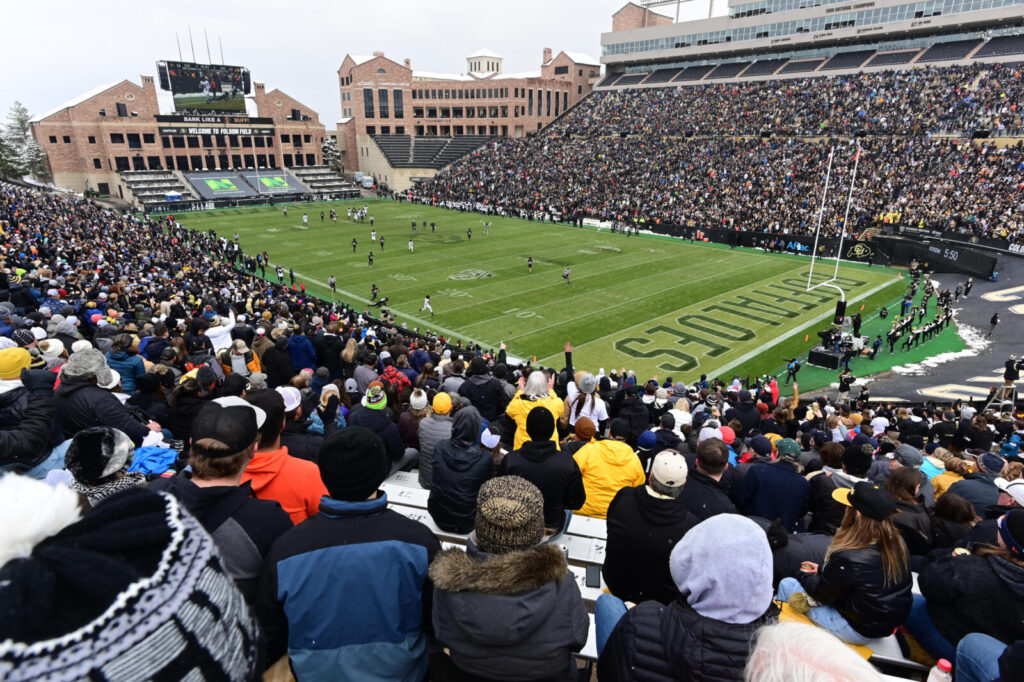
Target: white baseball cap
{"type": "Point", "coordinates": [669, 468]}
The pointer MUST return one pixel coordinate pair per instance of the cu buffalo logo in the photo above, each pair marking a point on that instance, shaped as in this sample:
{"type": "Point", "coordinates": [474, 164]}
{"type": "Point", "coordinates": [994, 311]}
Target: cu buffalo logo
{"type": "Point", "coordinates": [472, 273]}
{"type": "Point", "coordinates": [859, 251]}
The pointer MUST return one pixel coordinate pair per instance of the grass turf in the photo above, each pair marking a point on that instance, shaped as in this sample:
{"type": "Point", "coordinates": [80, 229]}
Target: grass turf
{"type": "Point", "coordinates": [655, 304]}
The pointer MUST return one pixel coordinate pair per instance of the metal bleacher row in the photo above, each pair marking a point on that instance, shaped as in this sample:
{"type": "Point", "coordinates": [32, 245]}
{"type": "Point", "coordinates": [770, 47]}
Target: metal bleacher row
{"type": "Point", "coordinates": [152, 186]}
{"type": "Point", "coordinates": [427, 151]}
{"type": "Point", "coordinates": [584, 544]}
{"type": "Point", "coordinates": [1000, 46]}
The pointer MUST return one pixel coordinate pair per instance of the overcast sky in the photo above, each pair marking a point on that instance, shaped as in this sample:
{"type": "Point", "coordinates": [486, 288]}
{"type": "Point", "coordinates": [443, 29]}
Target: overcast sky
{"type": "Point", "coordinates": [55, 50]}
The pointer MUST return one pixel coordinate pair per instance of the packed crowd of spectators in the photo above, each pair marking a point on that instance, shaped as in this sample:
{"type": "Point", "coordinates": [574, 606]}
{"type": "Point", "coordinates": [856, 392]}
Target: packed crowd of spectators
{"type": "Point", "coordinates": [213, 449]}
{"type": "Point", "coordinates": [913, 102]}
{"type": "Point", "coordinates": [629, 157]}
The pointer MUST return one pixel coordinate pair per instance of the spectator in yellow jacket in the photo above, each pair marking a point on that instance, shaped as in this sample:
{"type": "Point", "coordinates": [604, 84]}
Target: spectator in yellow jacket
{"type": "Point", "coordinates": [534, 392]}
{"type": "Point", "coordinates": [608, 466]}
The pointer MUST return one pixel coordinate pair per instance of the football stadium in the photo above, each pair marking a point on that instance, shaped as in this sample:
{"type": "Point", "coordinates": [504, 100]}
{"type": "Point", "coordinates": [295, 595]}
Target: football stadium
{"type": "Point", "coordinates": [697, 360]}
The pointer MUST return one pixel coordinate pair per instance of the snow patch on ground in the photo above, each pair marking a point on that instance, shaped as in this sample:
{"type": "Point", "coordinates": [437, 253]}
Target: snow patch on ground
{"type": "Point", "coordinates": [972, 336]}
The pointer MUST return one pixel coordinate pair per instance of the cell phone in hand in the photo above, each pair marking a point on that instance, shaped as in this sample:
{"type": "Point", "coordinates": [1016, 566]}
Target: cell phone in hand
{"type": "Point", "coordinates": [593, 576]}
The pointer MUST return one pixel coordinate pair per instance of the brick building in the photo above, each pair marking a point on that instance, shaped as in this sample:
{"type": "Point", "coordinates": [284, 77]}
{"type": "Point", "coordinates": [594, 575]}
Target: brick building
{"type": "Point", "coordinates": [380, 96]}
{"type": "Point", "coordinates": [128, 127]}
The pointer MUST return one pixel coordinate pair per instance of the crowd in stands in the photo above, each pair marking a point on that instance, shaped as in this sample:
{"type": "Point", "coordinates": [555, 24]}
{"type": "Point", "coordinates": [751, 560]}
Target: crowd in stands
{"type": "Point", "coordinates": [194, 460]}
{"type": "Point", "coordinates": [629, 157]}
{"type": "Point", "coordinates": [911, 102]}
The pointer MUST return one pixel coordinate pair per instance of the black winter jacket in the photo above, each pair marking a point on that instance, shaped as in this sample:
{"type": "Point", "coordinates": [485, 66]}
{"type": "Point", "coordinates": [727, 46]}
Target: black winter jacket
{"type": "Point", "coordinates": [301, 442]}
{"type": "Point", "coordinates": [705, 497]}
{"type": "Point", "coordinates": [853, 582]}
{"type": "Point", "coordinates": [969, 593]}
{"type": "Point", "coordinates": [460, 468]}
{"type": "Point", "coordinates": [82, 404]}
{"type": "Point", "coordinates": [328, 352]}
{"type": "Point", "coordinates": [747, 414]}
{"type": "Point", "coordinates": [277, 365]}
{"type": "Point", "coordinates": [243, 526]}
{"type": "Point", "coordinates": [915, 526]}
{"type": "Point", "coordinates": [486, 394]}
{"type": "Point", "coordinates": [555, 473]}
{"type": "Point", "coordinates": [642, 530]}
{"type": "Point", "coordinates": [27, 431]}
{"type": "Point", "coordinates": [379, 421]}
{"type": "Point", "coordinates": [826, 514]}
{"type": "Point", "coordinates": [658, 643]}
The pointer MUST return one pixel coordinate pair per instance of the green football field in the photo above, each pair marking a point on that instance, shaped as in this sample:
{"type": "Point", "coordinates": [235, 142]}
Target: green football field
{"type": "Point", "coordinates": [658, 305]}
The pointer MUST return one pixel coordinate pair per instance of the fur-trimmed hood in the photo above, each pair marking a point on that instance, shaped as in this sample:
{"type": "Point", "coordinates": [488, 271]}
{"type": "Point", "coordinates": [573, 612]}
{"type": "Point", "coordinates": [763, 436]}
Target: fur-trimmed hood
{"type": "Point", "coordinates": [500, 574]}
{"type": "Point", "coordinates": [525, 604]}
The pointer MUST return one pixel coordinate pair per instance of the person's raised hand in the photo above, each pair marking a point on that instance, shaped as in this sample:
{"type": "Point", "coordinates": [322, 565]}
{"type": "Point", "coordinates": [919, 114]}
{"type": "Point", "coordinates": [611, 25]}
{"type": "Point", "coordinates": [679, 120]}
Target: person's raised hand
{"type": "Point", "coordinates": [568, 347]}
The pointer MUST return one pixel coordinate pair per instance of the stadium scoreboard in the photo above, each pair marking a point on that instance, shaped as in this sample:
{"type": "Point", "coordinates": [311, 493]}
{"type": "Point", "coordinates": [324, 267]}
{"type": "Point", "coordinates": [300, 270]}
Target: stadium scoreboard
{"type": "Point", "coordinates": [205, 87]}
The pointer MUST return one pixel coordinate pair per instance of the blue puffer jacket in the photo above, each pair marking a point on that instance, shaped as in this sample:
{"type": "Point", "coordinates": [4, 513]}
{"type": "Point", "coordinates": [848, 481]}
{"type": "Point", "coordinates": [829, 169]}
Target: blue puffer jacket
{"type": "Point", "coordinates": [129, 366]}
{"type": "Point", "coordinates": [347, 592]}
{"type": "Point", "coordinates": [302, 353]}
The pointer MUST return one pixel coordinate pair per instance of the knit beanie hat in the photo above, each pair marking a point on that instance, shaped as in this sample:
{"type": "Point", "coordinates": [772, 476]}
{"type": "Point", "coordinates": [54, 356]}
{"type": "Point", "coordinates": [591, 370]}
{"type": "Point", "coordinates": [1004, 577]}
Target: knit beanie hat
{"type": "Point", "coordinates": [510, 515]}
{"type": "Point", "coordinates": [588, 383]}
{"type": "Point", "coordinates": [353, 463]}
{"type": "Point", "coordinates": [23, 337]}
{"type": "Point", "coordinates": [375, 398]}
{"type": "Point", "coordinates": [418, 399]}
{"type": "Point", "coordinates": [478, 366]}
{"type": "Point", "coordinates": [540, 424]}
{"type": "Point", "coordinates": [585, 429]}
{"type": "Point", "coordinates": [442, 403]}
{"type": "Point", "coordinates": [1011, 531]}
{"type": "Point", "coordinates": [83, 364]}
{"type": "Point", "coordinates": [98, 454]}
{"type": "Point", "coordinates": [135, 589]}
{"type": "Point", "coordinates": [12, 361]}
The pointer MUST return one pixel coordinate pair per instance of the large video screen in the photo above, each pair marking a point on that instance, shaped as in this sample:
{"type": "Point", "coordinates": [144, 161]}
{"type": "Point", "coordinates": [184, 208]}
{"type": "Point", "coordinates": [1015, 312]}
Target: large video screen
{"type": "Point", "coordinates": [275, 181]}
{"type": "Point", "coordinates": [220, 185]}
{"type": "Point", "coordinates": [205, 87]}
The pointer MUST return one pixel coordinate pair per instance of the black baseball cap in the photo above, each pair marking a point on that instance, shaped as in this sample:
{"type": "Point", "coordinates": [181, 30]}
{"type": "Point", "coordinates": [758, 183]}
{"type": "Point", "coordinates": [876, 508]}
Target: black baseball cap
{"type": "Point", "coordinates": [869, 499]}
{"type": "Point", "coordinates": [231, 421]}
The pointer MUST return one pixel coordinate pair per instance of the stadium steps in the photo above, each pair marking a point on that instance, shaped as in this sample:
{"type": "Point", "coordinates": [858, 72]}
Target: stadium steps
{"type": "Point", "coordinates": [893, 58]}
{"type": "Point", "coordinates": [149, 187]}
{"type": "Point", "coordinates": [631, 79]}
{"type": "Point", "coordinates": [1001, 46]}
{"type": "Point", "coordinates": [693, 73]}
{"type": "Point", "coordinates": [661, 76]}
{"type": "Point", "coordinates": [763, 67]}
{"type": "Point", "coordinates": [322, 180]}
{"type": "Point", "coordinates": [847, 60]}
{"type": "Point", "coordinates": [947, 52]}
{"type": "Point", "coordinates": [802, 66]}
{"type": "Point", "coordinates": [397, 149]}
{"type": "Point", "coordinates": [458, 147]}
{"type": "Point", "coordinates": [727, 70]}
{"type": "Point", "coordinates": [427, 151]}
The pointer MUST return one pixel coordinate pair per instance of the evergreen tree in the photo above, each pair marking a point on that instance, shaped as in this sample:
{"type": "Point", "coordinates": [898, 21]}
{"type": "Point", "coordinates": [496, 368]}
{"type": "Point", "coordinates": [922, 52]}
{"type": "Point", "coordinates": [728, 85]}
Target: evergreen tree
{"type": "Point", "coordinates": [10, 164]}
{"type": "Point", "coordinates": [332, 156]}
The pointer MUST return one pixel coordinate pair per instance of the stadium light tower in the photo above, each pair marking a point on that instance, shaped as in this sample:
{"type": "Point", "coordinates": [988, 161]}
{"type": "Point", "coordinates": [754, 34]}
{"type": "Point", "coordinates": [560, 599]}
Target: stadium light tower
{"type": "Point", "coordinates": [648, 4]}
